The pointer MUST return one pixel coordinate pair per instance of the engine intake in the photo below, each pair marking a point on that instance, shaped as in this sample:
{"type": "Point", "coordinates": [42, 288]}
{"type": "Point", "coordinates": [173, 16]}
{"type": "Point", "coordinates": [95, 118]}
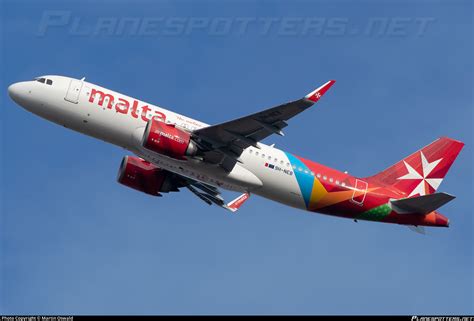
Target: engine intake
{"type": "Point", "coordinates": [168, 140]}
{"type": "Point", "coordinates": [143, 176]}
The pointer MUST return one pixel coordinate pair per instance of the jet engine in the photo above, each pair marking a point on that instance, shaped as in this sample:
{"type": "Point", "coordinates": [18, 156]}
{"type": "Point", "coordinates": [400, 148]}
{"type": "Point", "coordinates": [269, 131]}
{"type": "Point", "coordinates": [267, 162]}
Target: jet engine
{"type": "Point", "coordinates": [145, 177]}
{"type": "Point", "coordinates": [168, 140]}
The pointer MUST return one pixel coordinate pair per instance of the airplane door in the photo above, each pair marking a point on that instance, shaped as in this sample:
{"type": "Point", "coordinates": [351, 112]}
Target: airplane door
{"type": "Point", "coordinates": [74, 90]}
{"type": "Point", "coordinates": [360, 190]}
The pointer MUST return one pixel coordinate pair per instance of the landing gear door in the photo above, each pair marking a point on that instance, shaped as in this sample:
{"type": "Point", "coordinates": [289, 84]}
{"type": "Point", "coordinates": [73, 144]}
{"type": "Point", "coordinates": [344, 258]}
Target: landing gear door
{"type": "Point", "coordinates": [360, 190]}
{"type": "Point", "coordinates": [74, 90]}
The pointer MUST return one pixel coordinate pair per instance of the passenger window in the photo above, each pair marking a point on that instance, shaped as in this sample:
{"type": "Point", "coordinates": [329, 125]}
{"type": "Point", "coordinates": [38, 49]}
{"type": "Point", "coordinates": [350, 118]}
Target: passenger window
{"type": "Point", "coordinates": [49, 82]}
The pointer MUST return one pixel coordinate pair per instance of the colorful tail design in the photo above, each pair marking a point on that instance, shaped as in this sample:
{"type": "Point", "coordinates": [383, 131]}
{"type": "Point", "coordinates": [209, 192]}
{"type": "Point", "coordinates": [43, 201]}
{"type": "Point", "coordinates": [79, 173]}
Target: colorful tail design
{"type": "Point", "coordinates": [422, 172]}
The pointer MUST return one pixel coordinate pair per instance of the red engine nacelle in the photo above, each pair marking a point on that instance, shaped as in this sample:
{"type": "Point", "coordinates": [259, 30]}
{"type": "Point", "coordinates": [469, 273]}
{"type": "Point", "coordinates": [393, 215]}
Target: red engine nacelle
{"type": "Point", "coordinates": [143, 176]}
{"type": "Point", "coordinates": [168, 140]}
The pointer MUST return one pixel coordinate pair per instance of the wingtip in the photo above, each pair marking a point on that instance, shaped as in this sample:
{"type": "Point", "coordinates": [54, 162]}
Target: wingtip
{"type": "Point", "coordinates": [237, 203]}
{"type": "Point", "coordinates": [316, 94]}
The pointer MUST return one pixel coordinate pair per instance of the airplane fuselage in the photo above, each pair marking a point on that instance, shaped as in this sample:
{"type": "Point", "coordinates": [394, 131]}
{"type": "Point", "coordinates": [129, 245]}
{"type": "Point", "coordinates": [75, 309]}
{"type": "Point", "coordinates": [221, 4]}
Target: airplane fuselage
{"type": "Point", "coordinates": [265, 170]}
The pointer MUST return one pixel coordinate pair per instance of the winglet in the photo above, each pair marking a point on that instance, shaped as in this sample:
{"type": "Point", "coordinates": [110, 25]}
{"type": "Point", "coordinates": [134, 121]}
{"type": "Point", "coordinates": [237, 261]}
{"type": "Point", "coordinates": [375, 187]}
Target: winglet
{"type": "Point", "coordinates": [234, 205]}
{"type": "Point", "coordinates": [315, 95]}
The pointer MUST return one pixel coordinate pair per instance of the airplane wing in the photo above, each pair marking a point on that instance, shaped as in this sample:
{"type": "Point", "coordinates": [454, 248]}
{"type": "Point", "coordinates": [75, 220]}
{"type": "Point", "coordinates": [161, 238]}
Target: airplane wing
{"type": "Point", "coordinates": [207, 193]}
{"type": "Point", "coordinates": [223, 143]}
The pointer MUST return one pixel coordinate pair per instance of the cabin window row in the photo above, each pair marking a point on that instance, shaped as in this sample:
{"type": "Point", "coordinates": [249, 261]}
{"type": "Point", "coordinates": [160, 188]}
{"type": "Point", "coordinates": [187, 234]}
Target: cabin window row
{"type": "Point", "coordinates": [270, 158]}
{"type": "Point", "coordinates": [299, 169]}
{"type": "Point", "coordinates": [319, 176]}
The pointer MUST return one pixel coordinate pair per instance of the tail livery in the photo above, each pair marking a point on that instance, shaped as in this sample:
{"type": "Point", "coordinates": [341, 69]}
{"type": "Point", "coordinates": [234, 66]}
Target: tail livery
{"type": "Point", "coordinates": [422, 172]}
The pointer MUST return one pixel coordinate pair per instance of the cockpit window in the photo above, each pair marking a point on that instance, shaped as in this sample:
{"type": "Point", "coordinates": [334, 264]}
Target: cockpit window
{"type": "Point", "coordinates": [44, 81]}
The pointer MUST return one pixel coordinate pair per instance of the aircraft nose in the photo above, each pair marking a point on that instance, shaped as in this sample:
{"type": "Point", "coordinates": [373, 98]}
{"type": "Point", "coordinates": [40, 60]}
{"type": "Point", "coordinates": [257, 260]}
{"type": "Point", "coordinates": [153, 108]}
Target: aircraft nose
{"type": "Point", "coordinates": [16, 91]}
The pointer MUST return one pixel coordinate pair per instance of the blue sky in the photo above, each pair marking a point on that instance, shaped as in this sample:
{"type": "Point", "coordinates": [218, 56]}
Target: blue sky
{"type": "Point", "coordinates": [75, 241]}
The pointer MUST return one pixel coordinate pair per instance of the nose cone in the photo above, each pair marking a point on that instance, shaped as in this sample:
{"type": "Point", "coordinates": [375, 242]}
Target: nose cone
{"type": "Point", "coordinates": [17, 92]}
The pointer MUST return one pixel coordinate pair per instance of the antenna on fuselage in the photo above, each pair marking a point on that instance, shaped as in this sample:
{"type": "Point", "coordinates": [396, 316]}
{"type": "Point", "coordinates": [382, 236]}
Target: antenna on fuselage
{"type": "Point", "coordinates": [83, 78]}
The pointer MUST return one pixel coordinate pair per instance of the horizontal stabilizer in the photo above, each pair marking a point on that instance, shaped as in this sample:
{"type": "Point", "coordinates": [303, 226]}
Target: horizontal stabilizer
{"type": "Point", "coordinates": [422, 204]}
{"type": "Point", "coordinates": [417, 229]}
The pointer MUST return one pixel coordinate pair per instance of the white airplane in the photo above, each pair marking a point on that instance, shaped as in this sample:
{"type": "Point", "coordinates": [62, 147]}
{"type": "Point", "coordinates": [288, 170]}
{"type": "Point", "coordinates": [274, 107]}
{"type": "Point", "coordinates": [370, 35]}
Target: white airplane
{"type": "Point", "coordinates": [175, 151]}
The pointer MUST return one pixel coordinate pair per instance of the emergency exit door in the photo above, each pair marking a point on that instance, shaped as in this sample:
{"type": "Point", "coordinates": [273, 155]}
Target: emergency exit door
{"type": "Point", "coordinates": [74, 90]}
{"type": "Point", "coordinates": [360, 190]}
